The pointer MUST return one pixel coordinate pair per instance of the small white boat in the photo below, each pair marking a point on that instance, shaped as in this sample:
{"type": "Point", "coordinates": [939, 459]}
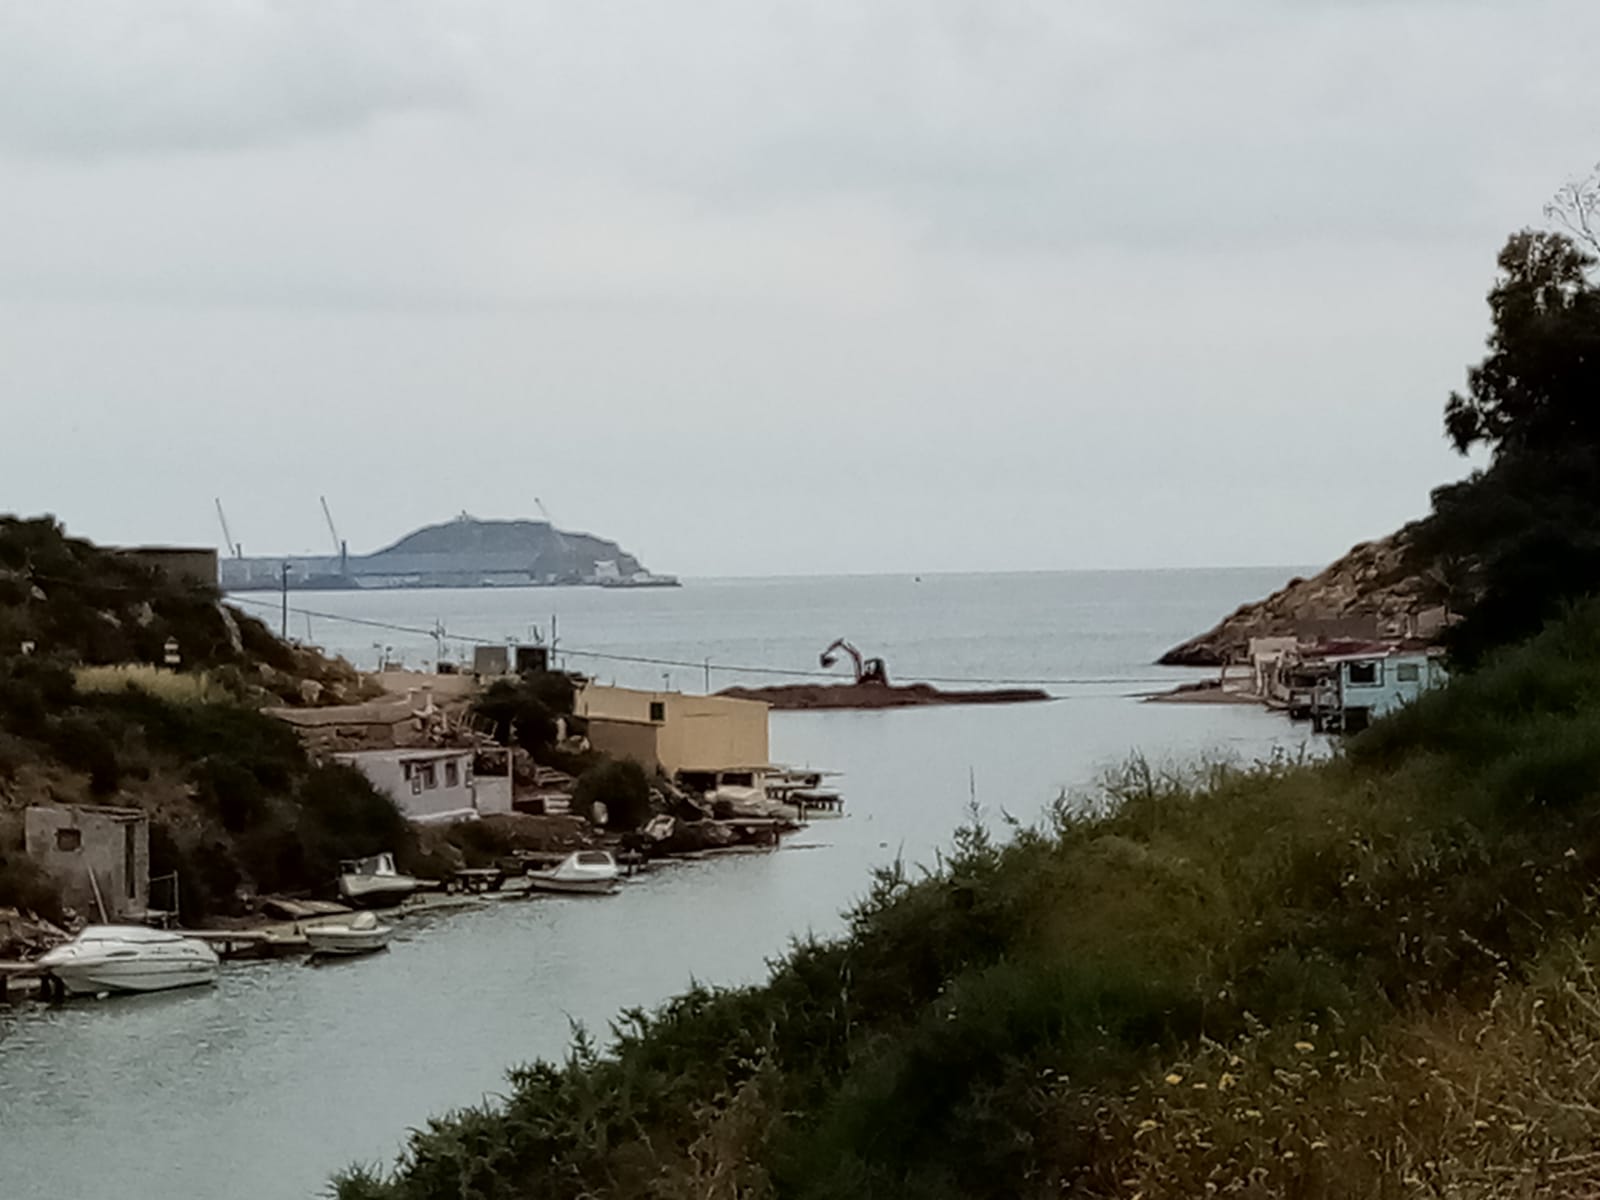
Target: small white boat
{"type": "Point", "coordinates": [373, 882]}
{"type": "Point", "coordinates": [130, 958]}
{"type": "Point", "coordinates": [360, 935]}
{"type": "Point", "coordinates": [587, 871]}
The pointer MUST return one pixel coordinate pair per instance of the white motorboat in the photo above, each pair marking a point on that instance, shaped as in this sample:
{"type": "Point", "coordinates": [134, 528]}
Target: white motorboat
{"type": "Point", "coordinates": [130, 958]}
{"type": "Point", "coordinates": [360, 935]}
{"type": "Point", "coordinates": [373, 882]}
{"type": "Point", "coordinates": [586, 871]}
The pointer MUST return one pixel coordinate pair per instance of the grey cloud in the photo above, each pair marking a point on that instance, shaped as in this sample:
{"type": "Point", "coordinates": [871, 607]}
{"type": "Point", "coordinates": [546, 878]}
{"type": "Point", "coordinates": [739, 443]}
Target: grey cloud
{"type": "Point", "coordinates": [119, 77]}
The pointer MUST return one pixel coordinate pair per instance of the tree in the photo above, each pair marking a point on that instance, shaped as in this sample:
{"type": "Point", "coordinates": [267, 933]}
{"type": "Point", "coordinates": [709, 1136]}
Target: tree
{"type": "Point", "coordinates": [622, 786]}
{"type": "Point", "coordinates": [1576, 207]}
{"type": "Point", "coordinates": [526, 709]}
{"type": "Point", "coordinates": [1539, 387]}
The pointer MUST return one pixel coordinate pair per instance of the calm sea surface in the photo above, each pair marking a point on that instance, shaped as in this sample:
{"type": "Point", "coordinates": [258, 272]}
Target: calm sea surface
{"type": "Point", "coordinates": [282, 1074]}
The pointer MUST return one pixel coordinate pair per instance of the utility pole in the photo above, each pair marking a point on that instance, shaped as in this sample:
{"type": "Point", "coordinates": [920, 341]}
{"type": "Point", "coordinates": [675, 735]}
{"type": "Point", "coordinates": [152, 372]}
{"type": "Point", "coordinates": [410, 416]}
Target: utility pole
{"type": "Point", "coordinates": [285, 592]}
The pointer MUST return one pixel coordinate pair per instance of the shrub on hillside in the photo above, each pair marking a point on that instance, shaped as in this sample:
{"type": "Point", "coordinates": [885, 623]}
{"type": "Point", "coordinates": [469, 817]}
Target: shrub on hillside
{"type": "Point", "coordinates": [82, 743]}
{"type": "Point", "coordinates": [621, 786]}
{"type": "Point", "coordinates": [24, 886]}
{"type": "Point", "coordinates": [525, 710]}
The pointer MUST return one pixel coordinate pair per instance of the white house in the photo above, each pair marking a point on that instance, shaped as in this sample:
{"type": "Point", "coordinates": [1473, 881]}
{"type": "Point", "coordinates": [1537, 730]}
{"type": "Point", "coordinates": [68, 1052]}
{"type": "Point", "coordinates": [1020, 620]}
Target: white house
{"type": "Point", "coordinates": [431, 784]}
{"type": "Point", "coordinates": [1374, 684]}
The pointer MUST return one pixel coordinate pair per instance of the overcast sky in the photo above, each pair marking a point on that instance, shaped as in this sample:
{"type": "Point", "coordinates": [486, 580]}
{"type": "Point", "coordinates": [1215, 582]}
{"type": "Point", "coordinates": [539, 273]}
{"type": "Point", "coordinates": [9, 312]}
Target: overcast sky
{"type": "Point", "coordinates": [762, 286]}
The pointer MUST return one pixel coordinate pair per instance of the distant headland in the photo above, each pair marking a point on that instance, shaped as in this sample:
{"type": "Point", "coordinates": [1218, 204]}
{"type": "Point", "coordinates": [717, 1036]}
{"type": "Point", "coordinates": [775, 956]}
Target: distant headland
{"type": "Point", "coordinates": [465, 552]}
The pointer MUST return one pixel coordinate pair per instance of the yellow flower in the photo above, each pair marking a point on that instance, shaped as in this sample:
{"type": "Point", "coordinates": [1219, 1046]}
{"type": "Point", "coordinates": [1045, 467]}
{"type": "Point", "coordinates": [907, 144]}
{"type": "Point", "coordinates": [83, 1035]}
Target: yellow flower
{"type": "Point", "coordinates": [1174, 1079]}
{"type": "Point", "coordinates": [1226, 1082]}
{"type": "Point", "coordinates": [1304, 1047]}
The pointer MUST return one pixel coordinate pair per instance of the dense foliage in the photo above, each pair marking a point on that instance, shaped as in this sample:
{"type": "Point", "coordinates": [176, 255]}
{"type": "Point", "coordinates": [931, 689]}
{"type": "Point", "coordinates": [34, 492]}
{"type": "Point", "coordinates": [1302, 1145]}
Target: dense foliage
{"type": "Point", "coordinates": [621, 786]}
{"type": "Point", "coordinates": [1513, 543]}
{"type": "Point", "coordinates": [1007, 1025]}
{"type": "Point", "coordinates": [524, 711]}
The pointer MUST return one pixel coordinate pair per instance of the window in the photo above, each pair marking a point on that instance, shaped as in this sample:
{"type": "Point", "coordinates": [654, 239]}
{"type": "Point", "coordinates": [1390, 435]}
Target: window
{"type": "Point", "coordinates": [658, 710]}
{"type": "Point", "coordinates": [69, 839]}
{"type": "Point", "coordinates": [1407, 673]}
{"type": "Point", "coordinates": [452, 775]}
{"type": "Point", "coordinates": [1363, 674]}
{"type": "Point", "coordinates": [416, 784]}
{"type": "Point", "coordinates": [430, 778]}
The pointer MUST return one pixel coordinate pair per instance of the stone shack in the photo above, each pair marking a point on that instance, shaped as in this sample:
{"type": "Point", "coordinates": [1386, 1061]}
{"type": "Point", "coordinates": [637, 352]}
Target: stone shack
{"type": "Point", "coordinates": [89, 848]}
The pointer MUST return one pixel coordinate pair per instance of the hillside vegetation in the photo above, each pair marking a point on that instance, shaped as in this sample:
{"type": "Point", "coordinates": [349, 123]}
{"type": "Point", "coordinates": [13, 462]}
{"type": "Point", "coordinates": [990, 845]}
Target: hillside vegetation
{"type": "Point", "coordinates": [1285, 979]}
{"type": "Point", "coordinates": [86, 716]}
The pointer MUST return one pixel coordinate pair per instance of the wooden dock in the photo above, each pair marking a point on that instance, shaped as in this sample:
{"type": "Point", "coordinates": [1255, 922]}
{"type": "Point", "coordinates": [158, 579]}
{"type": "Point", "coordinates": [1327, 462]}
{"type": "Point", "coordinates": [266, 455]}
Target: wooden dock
{"type": "Point", "coordinates": [20, 979]}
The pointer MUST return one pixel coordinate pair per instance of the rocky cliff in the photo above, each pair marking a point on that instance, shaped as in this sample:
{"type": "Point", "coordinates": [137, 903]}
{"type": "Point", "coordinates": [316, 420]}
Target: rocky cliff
{"type": "Point", "coordinates": [1373, 591]}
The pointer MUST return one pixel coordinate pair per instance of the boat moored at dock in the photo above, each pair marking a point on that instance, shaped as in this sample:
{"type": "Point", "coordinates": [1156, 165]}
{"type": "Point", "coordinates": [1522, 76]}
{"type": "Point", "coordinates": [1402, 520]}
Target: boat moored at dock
{"type": "Point", "coordinates": [130, 958]}
{"type": "Point", "coordinates": [585, 872]}
{"type": "Point", "coordinates": [373, 882]}
{"type": "Point", "coordinates": [362, 934]}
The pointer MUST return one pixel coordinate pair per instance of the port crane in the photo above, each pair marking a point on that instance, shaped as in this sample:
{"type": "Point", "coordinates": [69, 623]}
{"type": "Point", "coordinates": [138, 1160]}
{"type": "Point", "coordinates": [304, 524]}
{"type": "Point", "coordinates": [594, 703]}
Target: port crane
{"type": "Point", "coordinates": [341, 548]}
{"type": "Point", "coordinates": [232, 547]}
{"type": "Point", "coordinates": [868, 671]}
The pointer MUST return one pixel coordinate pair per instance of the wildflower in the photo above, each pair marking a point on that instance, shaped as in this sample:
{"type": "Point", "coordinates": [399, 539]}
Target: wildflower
{"type": "Point", "coordinates": [1304, 1047]}
{"type": "Point", "coordinates": [1226, 1082]}
{"type": "Point", "coordinates": [1174, 1079]}
{"type": "Point", "coordinates": [1200, 1087]}
{"type": "Point", "coordinates": [1319, 1144]}
{"type": "Point", "coordinates": [1252, 1114]}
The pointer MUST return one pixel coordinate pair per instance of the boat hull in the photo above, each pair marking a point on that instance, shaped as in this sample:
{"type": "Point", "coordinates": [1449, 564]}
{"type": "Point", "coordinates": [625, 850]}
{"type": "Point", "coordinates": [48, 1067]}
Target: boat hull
{"type": "Point", "coordinates": [342, 940]}
{"type": "Point", "coordinates": [376, 891]}
{"type": "Point", "coordinates": [577, 887]}
{"type": "Point", "coordinates": [90, 979]}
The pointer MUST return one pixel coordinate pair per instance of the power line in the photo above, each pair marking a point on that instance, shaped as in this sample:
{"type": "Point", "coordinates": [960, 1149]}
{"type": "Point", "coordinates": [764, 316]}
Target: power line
{"type": "Point", "coordinates": [731, 668]}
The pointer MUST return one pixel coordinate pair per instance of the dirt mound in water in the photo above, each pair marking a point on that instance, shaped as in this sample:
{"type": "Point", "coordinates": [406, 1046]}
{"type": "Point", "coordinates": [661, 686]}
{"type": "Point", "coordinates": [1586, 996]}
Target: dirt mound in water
{"type": "Point", "coordinates": [877, 695]}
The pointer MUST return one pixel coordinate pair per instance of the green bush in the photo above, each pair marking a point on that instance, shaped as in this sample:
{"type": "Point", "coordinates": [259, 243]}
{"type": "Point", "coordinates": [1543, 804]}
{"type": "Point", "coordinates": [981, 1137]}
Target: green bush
{"type": "Point", "coordinates": [81, 742]}
{"type": "Point", "coordinates": [622, 786]}
{"type": "Point", "coordinates": [524, 711]}
{"type": "Point", "coordinates": [24, 886]}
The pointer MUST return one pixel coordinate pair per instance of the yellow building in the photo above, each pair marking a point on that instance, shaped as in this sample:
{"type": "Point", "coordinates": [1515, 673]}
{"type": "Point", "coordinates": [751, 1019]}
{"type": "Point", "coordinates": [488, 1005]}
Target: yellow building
{"type": "Point", "coordinates": [677, 734]}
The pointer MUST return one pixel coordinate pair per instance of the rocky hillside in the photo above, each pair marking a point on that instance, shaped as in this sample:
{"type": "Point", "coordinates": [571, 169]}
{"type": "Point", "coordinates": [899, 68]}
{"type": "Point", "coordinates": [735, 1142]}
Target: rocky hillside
{"type": "Point", "coordinates": [89, 716]}
{"type": "Point", "coordinates": [1376, 589]}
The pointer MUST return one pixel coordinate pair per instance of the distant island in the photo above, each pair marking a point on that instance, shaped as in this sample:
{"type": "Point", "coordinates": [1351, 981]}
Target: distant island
{"type": "Point", "coordinates": [465, 552]}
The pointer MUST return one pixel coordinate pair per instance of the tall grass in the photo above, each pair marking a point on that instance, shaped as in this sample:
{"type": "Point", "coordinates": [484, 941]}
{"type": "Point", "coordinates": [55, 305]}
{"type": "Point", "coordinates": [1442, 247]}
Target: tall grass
{"type": "Point", "coordinates": [1001, 1026]}
{"type": "Point", "coordinates": [171, 687]}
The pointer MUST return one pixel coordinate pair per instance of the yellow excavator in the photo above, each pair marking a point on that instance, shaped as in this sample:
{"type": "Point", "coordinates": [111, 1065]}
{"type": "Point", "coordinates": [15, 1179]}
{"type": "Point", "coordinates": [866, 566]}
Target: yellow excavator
{"type": "Point", "coordinates": [869, 671]}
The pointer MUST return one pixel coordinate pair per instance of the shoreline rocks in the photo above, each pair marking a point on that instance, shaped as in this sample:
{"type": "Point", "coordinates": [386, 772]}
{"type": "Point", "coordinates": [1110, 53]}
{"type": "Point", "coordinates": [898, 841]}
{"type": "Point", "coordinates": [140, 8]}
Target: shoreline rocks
{"type": "Point", "coordinates": [1373, 591]}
